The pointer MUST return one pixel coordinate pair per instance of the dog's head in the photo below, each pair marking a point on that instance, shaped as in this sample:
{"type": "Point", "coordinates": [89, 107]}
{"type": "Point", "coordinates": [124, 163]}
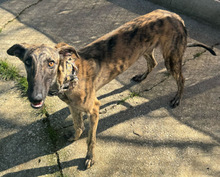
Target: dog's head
{"type": "Point", "coordinates": [49, 70]}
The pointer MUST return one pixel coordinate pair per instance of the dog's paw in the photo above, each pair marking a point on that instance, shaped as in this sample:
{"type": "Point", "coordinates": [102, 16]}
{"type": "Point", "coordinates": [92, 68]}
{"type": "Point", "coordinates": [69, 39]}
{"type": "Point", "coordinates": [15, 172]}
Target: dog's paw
{"type": "Point", "coordinates": [138, 78]}
{"type": "Point", "coordinates": [175, 102]}
{"type": "Point", "coordinates": [77, 135]}
{"type": "Point", "coordinates": [89, 162]}
{"type": "Point", "coordinates": [73, 138]}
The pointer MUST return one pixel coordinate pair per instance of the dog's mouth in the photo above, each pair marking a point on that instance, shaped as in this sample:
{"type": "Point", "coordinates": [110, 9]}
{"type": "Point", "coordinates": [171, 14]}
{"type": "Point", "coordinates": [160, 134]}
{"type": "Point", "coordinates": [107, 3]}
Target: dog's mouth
{"type": "Point", "coordinates": [37, 105]}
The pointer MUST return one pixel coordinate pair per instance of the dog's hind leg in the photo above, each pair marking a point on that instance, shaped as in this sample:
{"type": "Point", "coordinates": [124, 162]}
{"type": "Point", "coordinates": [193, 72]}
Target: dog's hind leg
{"type": "Point", "coordinates": [78, 123]}
{"type": "Point", "coordinates": [94, 118]}
{"type": "Point", "coordinates": [151, 63]}
{"type": "Point", "coordinates": [175, 68]}
{"type": "Point", "coordinates": [173, 53]}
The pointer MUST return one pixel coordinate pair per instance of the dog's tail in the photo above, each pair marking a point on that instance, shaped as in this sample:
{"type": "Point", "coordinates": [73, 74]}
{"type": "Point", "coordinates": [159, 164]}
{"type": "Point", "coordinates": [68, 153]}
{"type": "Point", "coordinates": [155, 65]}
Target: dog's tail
{"type": "Point", "coordinates": [203, 46]}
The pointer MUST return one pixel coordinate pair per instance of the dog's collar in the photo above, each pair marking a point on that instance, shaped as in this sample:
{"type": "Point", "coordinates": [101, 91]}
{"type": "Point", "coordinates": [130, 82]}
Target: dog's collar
{"type": "Point", "coordinates": [71, 78]}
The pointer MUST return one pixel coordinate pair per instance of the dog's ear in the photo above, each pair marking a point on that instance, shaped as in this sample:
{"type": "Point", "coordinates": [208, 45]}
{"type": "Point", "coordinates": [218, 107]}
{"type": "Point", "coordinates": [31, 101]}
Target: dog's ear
{"type": "Point", "coordinates": [18, 50]}
{"type": "Point", "coordinates": [66, 50]}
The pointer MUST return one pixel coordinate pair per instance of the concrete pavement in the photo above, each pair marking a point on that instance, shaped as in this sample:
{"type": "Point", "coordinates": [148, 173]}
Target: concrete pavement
{"type": "Point", "coordinates": [141, 136]}
{"type": "Point", "coordinates": [205, 10]}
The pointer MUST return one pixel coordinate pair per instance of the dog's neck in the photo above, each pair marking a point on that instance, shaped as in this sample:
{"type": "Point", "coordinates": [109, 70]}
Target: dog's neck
{"type": "Point", "coordinates": [70, 78]}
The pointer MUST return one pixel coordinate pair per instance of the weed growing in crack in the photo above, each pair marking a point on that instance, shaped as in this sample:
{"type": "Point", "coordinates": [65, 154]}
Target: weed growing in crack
{"type": "Point", "coordinates": [50, 130]}
{"type": "Point", "coordinates": [52, 134]}
{"type": "Point", "coordinates": [131, 95]}
{"type": "Point", "coordinates": [43, 112]}
{"type": "Point", "coordinates": [134, 94]}
{"type": "Point", "coordinates": [198, 54]}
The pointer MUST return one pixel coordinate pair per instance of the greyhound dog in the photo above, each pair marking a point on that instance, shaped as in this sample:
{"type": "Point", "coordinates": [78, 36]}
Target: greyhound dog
{"type": "Point", "coordinates": [75, 76]}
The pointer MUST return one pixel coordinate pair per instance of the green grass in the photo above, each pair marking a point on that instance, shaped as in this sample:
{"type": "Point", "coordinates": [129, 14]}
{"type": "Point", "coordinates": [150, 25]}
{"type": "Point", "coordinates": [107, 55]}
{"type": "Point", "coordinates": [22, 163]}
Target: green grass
{"type": "Point", "coordinates": [131, 95]}
{"type": "Point", "coordinates": [198, 54]}
{"type": "Point", "coordinates": [22, 85]}
{"type": "Point", "coordinates": [52, 134]}
{"type": "Point", "coordinates": [43, 112]}
{"type": "Point", "coordinates": [9, 72]}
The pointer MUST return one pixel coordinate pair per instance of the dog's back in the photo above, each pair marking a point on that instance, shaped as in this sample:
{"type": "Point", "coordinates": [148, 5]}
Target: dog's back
{"type": "Point", "coordinates": [119, 49]}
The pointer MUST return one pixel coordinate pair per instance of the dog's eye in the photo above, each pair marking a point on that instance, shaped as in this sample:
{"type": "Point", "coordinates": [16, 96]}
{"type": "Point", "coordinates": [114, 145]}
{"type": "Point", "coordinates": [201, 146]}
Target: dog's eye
{"type": "Point", "coordinates": [51, 64]}
{"type": "Point", "coordinates": [28, 62]}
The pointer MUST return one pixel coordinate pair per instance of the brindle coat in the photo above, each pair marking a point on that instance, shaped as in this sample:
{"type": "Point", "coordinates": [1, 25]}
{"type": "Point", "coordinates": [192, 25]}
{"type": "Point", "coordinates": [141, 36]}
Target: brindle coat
{"type": "Point", "coordinates": [100, 62]}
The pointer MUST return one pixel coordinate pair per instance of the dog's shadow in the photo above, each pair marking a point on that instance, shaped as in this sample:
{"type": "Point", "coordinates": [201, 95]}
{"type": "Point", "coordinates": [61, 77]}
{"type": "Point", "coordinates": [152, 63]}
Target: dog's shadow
{"type": "Point", "coordinates": [40, 138]}
{"type": "Point", "coordinates": [33, 141]}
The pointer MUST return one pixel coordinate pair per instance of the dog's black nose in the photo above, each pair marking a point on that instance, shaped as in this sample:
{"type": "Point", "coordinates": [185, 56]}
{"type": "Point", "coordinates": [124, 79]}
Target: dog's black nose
{"type": "Point", "coordinates": [38, 97]}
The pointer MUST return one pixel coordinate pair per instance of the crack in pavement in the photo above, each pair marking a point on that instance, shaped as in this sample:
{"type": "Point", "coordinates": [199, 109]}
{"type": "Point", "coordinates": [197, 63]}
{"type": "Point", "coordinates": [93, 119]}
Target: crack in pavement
{"type": "Point", "coordinates": [198, 54]}
{"type": "Point", "coordinates": [19, 14]}
{"type": "Point", "coordinates": [53, 137]}
{"type": "Point", "coordinates": [195, 56]}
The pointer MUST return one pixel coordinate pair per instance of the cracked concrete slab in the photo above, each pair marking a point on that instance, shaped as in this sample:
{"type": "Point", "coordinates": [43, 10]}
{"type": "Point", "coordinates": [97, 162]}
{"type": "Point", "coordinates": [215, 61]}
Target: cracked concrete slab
{"type": "Point", "coordinates": [24, 141]}
{"type": "Point", "coordinates": [141, 136]}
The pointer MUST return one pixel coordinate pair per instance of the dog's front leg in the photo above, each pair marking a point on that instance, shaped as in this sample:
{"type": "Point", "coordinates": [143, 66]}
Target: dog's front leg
{"type": "Point", "coordinates": [94, 118]}
{"type": "Point", "coordinates": [78, 123]}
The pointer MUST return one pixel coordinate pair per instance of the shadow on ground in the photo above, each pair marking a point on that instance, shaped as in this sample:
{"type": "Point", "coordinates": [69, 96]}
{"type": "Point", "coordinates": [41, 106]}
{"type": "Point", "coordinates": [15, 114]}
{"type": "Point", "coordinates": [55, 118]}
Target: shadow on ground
{"type": "Point", "coordinates": [35, 135]}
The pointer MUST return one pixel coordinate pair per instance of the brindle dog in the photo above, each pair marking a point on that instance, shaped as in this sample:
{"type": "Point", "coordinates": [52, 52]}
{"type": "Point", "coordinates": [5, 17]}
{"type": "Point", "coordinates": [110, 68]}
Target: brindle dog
{"type": "Point", "coordinates": [54, 70]}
